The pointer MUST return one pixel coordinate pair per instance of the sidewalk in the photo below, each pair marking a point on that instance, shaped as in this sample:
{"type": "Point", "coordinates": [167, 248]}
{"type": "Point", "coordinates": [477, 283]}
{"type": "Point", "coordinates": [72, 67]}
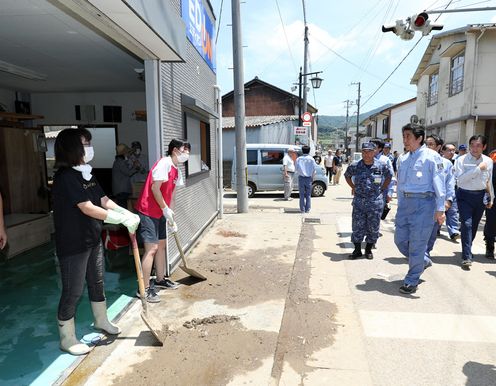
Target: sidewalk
{"type": "Point", "coordinates": [283, 305]}
{"type": "Point", "coordinates": [279, 308]}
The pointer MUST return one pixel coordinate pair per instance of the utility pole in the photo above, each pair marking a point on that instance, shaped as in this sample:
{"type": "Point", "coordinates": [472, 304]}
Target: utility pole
{"type": "Point", "coordinates": [348, 102]}
{"type": "Point", "coordinates": [358, 115]}
{"type": "Point", "coordinates": [239, 108]}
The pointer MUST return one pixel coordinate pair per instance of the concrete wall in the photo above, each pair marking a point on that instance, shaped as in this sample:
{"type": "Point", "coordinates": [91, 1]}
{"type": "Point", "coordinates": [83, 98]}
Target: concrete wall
{"type": "Point", "coordinates": [400, 116]}
{"type": "Point", "coordinates": [479, 88]}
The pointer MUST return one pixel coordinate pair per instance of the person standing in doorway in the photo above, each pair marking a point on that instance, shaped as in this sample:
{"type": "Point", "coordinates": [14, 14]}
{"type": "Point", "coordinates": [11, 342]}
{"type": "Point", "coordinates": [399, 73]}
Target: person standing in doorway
{"type": "Point", "coordinates": [306, 169]}
{"type": "Point", "coordinates": [122, 172]}
{"type": "Point", "coordinates": [79, 207]}
{"type": "Point", "coordinates": [490, 226]}
{"type": "Point", "coordinates": [473, 172]}
{"type": "Point", "coordinates": [288, 166]}
{"type": "Point", "coordinates": [421, 200]}
{"type": "Point", "coordinates": [154, 210]}
{"type": "Point", "coordinates": [3, 233]}
{"type": "Point", "coordinates": [337, 166]}
{"type": "Point", "coordinates": [368, 179]}
{"type": "Point", "coordinates": [328, 164]}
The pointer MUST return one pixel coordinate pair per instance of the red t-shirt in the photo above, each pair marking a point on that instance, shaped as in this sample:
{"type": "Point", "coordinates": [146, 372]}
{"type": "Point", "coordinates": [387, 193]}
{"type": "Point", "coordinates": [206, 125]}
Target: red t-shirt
{"type": "Point", "coordinates": [163, 170]}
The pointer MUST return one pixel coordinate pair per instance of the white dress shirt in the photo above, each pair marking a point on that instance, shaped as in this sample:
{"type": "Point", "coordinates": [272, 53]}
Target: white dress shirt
{"type": "Point", "coordinates": [470, 177]}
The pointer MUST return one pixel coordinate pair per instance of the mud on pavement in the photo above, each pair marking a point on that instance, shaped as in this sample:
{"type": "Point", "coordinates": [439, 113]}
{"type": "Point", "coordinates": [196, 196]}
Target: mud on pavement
{"type": "Point", "coordinates": [245, 271]}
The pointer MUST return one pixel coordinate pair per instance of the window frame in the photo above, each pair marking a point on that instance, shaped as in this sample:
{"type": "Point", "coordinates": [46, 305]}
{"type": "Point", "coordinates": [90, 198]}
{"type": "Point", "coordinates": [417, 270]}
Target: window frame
{"type": "Point", "coordinates": [432, 96]}
{"type": "Point", "coordinates": [204, 126]}
{"type": "Point", "coordinates": [456, 84]}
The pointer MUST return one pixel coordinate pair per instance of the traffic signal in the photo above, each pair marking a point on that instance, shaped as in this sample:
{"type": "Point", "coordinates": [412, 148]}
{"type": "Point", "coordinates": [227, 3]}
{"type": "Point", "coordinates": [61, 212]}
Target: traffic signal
{"type": "Point", "coordinates": [406, 29]}
{"type": "Point", "coordinates": [421, 22]}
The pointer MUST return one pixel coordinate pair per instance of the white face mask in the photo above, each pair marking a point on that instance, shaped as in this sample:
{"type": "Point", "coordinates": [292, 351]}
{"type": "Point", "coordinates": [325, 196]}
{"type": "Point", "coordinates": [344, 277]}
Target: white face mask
{"type": "Point", "coordinates": [183, 157]}
{"type": "Point", "coordinates": [89, 153]}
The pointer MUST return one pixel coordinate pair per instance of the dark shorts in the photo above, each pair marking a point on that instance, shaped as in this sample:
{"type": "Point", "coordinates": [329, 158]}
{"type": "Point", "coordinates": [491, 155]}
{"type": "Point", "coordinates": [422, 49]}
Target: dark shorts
{"type": "Point", "coordinates": [151, 230]}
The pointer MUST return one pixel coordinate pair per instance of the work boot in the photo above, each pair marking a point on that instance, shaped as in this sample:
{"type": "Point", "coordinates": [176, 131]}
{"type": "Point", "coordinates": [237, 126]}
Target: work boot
{"type": "Point", "coordinates": [368, 251]}
{"type": "Point", "coordinates": [490, 249]}
{"type": "Point", "coordinates": [101, 320]}
{"type": "Point", "coordinates": [68, 340]}
{"type": "Point", "coordinates": [357, 252]}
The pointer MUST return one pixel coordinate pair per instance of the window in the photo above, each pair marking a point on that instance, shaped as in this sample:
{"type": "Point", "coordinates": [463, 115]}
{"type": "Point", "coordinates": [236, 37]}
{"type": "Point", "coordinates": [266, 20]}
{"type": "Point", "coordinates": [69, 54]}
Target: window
{"type": "Point", "coordinates": [252, 157]}
{"type": "Point", "coordinates": [272, 157]}
{"type": "Point", "coordinates": [198, 135]}
{"type": "Point", "coordinates": [456, 76]}
{"type": "Point", "coordinates": [385, 125]}
{"type": "Point", "coordinates": [433, 87]}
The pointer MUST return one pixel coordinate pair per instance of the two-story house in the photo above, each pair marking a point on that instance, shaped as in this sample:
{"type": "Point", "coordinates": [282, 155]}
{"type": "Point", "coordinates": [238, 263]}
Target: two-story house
{"type": "Point", "coordinates": [456, 86]}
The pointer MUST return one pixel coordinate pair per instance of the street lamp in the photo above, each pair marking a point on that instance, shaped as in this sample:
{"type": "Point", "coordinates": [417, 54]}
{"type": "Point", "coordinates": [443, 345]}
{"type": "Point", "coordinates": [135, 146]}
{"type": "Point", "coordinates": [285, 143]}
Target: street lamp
{"type": "Point", "coordinates": [316, 83]}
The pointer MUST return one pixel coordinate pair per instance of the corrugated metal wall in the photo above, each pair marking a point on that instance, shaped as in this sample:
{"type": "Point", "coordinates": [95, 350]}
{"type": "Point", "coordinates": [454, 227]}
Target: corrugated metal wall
{"type": "Point", "coordinates": [196, 202]}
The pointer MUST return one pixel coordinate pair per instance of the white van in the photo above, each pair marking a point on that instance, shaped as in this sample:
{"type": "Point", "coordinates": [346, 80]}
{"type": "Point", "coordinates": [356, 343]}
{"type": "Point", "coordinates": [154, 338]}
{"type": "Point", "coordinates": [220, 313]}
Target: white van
{"type": "Point", "coordinates": [265, 170]}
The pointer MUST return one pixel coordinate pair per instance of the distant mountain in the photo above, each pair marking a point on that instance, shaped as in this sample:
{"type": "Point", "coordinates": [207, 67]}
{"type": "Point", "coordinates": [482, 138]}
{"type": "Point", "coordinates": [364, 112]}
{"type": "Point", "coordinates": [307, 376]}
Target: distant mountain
{"type": "Point", "coordinates": [329, 122]}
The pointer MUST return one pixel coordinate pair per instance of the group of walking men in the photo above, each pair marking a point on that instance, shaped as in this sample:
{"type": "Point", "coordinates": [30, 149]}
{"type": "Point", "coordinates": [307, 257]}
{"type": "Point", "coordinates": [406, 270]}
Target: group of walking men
{"type": "Point", "coordinates": [429, 188]}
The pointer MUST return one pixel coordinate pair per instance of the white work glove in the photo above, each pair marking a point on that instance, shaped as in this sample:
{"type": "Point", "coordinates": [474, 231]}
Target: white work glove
{"type": "Point", "coordinates": [172, 226]}
{"type": "Point", "coordinates": [168, 214]}
{"type": "Point", "coordinates": [130, 221]}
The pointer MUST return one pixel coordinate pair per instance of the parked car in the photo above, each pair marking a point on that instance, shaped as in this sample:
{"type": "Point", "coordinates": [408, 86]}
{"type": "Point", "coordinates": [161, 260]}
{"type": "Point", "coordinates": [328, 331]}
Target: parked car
{"type": "Point", "coordinates": [265, 170]}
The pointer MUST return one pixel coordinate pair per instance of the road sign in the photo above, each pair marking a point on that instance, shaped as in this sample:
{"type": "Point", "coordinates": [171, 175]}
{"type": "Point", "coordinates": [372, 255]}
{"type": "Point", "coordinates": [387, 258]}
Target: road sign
{"type": "Point", "coordinates": [306, 123]}
{"type": "Point", "coordinates": [306, 117]}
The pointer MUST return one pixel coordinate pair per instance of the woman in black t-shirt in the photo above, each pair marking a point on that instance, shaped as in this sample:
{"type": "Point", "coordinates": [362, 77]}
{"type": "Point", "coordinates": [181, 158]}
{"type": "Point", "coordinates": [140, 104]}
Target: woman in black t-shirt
{"type": "Point", "coordinates": [79, 206]}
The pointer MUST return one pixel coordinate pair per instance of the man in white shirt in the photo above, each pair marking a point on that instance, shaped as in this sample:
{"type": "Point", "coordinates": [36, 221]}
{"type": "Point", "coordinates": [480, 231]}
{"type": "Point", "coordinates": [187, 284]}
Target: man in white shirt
{"type": "Point", "coordinates": [328, 164]}
{"type": "Point", "coordinates": [473, 172]}
{"type": "Point", "coordinates": [288, 172]}
{"type": "Point", "coordinates": [306, 168]}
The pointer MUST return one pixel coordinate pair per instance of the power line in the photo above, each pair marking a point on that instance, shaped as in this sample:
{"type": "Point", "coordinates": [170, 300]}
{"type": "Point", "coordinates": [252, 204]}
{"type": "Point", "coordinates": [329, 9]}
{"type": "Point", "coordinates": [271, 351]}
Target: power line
{"type": "Point", "coordinates": [286, 37]}
{"type": "Point", "coordinates": [218, 23]}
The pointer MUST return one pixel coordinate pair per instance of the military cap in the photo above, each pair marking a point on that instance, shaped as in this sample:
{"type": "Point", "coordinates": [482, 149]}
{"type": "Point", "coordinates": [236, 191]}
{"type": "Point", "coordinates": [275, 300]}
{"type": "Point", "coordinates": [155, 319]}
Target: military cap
{"type": "Point", "coordinates": [368, 146]}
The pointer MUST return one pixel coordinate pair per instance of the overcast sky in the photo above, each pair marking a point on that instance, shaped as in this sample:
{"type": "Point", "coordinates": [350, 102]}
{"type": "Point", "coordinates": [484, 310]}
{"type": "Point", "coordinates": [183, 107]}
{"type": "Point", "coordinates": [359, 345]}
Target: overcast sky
{"type": "Point", "coordinates": [346, 43]}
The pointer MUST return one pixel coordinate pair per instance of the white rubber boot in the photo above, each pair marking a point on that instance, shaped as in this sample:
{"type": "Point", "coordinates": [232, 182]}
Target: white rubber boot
{"type": "Point", "coordinates": [68, 340]}
{"type": "Point", "coordinates": [101, 320]}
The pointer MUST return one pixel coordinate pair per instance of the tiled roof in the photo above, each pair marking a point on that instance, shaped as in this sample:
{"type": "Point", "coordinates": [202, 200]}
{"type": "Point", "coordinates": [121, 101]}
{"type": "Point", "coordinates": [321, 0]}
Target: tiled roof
{"type": "Point", "coordinates": [256, 121]}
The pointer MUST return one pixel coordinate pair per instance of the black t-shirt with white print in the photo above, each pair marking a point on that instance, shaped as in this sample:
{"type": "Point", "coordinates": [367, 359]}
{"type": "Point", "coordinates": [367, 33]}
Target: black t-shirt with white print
{"type": "Point", "coordinates": [75, 232]}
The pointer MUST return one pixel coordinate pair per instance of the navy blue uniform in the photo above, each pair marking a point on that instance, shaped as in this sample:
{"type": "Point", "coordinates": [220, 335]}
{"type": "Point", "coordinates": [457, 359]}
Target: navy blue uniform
{"type": "Point", "coordinates": [368, 201]}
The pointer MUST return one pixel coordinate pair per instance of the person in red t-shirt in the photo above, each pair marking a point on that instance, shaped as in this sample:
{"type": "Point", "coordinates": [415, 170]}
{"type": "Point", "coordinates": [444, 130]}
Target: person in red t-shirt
{"type": "Point", "coordinates": [154, 210]}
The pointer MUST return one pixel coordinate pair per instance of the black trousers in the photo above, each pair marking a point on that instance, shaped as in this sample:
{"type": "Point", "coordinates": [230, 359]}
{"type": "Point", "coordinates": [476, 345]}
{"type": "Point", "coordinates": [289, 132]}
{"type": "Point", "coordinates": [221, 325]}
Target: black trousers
{"type": "Point", "coordinates": [490, 226]}
{"type": "Point", "coordinates": [75, 270]}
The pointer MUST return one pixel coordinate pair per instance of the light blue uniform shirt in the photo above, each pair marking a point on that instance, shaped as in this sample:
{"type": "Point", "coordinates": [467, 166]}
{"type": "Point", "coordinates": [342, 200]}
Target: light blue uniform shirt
{"type": "Point", "coordinates": [449, 179]}
{"type": "Point", "coordinates": [386, 160]}
{"type": "Point", "coordinates": [422, 171]}
{"type": "Point", "coordinates": [305, 166]}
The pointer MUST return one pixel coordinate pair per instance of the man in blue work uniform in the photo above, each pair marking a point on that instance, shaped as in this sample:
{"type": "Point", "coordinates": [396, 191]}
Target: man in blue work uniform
{"type": "Point", "coordinates": [368, 179]}
{"type": "Point", "coordinates": [473, 172]}
{"type": "Point", "coordinates": [421, 199]}
{"type": "Point", "coordinates": [306, 168]}
{"type": "Point", "coordinates": [434, 142]}
{"type": "Point", "coordinates": [452, 219]}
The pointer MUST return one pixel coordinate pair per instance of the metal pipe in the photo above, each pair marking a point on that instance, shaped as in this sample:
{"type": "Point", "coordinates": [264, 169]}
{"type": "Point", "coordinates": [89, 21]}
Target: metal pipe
{"type": "Point", "coordinates": [220, 155]}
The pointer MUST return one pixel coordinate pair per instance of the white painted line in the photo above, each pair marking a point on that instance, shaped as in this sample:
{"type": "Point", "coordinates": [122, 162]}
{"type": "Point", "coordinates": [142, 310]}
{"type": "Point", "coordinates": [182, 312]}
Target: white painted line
{"type": "Point", "coordinates": [426, 326]}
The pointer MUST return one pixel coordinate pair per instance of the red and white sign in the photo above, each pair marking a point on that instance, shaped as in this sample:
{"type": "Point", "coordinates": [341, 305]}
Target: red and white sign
{"type": "Point", "coordinates": [306, 117]}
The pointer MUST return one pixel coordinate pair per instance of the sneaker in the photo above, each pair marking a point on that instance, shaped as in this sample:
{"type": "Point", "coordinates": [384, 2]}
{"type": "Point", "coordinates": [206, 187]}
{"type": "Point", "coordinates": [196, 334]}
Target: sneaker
{"type": "Point", "coordinates": [408, 289]}
{"type": "Point", "coordinates": [166, 284]}
{"type": "Point", "coordinates": [427, 265]}
{"type": "Point", "coordinates": [455, 236]}
{"type": "Point", "coordinates": [150, 295]}
{"type": "Point", "coordinates": [466, 264]}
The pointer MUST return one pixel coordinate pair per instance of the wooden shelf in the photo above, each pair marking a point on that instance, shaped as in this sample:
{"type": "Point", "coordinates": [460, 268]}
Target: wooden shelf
{"type": "Point", "coordinates": [14, 117]}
